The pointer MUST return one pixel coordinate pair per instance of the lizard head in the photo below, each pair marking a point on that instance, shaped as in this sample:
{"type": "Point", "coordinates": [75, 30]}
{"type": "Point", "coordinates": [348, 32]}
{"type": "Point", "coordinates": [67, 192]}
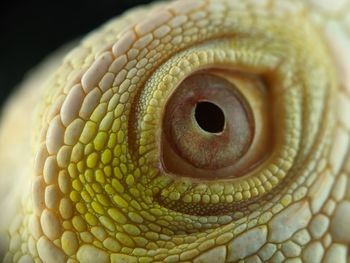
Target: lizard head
{"type": "Point", "coordinates": [204, 131]}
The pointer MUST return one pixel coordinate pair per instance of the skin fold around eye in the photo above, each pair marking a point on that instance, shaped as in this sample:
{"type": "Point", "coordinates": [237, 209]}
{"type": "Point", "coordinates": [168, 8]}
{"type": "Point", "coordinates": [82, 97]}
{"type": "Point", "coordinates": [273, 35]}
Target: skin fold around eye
{"type": "Point", "coordinates": [272, 71]}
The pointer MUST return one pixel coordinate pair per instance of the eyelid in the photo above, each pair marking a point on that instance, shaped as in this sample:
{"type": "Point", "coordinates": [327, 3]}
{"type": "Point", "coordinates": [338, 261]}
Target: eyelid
{"type": "Point", "coordinates": [254, 56]}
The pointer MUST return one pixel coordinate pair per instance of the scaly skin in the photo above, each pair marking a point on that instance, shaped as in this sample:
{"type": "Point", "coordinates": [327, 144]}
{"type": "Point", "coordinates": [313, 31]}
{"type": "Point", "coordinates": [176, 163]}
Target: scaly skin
{"type": "Point", "coordinates": [95, 191]}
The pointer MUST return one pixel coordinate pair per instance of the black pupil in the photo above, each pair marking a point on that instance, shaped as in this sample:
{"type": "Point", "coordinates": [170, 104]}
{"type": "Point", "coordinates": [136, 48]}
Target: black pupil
{"type": "Point", "coordinates": [209, 117]}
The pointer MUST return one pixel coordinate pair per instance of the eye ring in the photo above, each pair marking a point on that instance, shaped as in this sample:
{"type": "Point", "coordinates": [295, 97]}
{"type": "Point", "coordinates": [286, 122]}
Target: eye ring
{"type": "Point", "coordinates": [201, 152]}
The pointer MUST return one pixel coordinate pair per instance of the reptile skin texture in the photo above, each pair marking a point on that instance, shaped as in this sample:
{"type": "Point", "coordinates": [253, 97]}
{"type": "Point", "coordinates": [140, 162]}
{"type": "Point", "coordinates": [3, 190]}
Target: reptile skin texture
{"type": "Point", "coordinates": [104, 158]}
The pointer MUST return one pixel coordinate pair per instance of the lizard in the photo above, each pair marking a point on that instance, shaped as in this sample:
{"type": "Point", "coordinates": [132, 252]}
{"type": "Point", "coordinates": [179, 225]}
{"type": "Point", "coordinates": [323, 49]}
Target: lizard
{"type": "Point", "coordinates": [109, 154]}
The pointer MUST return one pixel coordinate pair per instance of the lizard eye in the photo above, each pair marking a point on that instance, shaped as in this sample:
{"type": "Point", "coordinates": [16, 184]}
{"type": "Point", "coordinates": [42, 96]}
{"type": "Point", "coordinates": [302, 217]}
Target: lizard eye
{"type": "Point", "coordinates": [209, 126]}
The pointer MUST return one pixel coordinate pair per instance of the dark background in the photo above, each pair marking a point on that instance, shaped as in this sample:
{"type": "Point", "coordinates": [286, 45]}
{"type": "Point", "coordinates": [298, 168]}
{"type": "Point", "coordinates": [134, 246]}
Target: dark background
{"type": "Point", "coordinates": [32, 29]}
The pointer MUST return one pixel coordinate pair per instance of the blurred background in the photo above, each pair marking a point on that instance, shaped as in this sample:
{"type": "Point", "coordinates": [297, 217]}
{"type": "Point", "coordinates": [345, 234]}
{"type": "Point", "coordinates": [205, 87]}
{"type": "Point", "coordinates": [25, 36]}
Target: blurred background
{"type": "Point", "coordinates": [32, 29]}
